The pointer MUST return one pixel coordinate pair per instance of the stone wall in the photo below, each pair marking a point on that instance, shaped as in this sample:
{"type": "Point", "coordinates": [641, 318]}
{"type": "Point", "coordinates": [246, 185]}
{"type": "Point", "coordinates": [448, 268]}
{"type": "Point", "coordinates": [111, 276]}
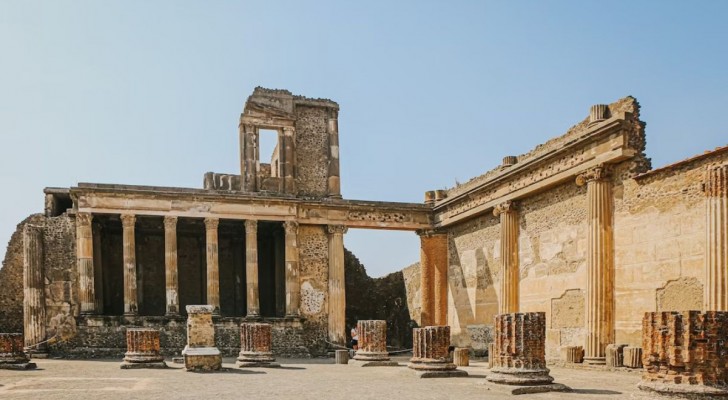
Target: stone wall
{"type": "Point", "coordinates": [313, 248]}
{"type": "Point", "coordinates": [312, 151]}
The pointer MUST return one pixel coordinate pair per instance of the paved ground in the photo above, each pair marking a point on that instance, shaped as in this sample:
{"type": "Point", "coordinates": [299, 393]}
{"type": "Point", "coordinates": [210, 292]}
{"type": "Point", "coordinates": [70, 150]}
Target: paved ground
{"type": "Point", "coordinates": [297, 379]}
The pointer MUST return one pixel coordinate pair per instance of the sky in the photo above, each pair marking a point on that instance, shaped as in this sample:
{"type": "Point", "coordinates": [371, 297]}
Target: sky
{"type": "Point", "coordinates": [431, 92]}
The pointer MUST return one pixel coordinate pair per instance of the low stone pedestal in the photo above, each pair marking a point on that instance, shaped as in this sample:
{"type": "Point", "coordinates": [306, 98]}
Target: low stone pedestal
{"type": "Point", "coordinates": [572, 354]}
{"type": "Point", "coordinates": [142, 349]}
{"type": "Point", "coordinates": [255, 346]}
{"type": "Point", "coordinates": [632, 357]}
{"type": "Point", "coordinates": [519, 358]}
{"type": "Point", "coordinates": [12, 355]}
{"type": "Point", "coordinates": [341, 357]}
{"type": "Point", "coordinates": [461, 357]}
{"type": "Point", "coordinates": [430, 353]}
{"type": "Point", "coordinates": [685, 354]}
{"type": "Point", "coordinates": [372, 350]}
{"type": "Point", "coordinates": [200, 354]}
{"type": "Point", "coordinates": [615, 355]}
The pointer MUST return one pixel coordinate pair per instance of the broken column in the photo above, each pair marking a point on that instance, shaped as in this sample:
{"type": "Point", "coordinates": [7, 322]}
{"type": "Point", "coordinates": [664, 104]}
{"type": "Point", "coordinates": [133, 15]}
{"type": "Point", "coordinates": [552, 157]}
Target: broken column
{"type": "Point", "coordinates": [12, 355]}
{"type": "Point", "coordinates": [372, 344]}
{"type": "Point", "coordinates": [685, 353]}
{"type": "Point", "coordinates": [430, 353]}
{"type": "Point", "coordinates": [519, 354]}
{"type": "Point", "coordinates": [34, 315]}
{"type": "Point", "coordinates": [142, 349]}
{"type": "Point", "coordinates": [615, 355]}
{"type": "Point", "coordinates": [200, 354]}
{"type": "Point", "coordinates": [716, 249]}
{"type": "Point", "coordinates": [255, 346]}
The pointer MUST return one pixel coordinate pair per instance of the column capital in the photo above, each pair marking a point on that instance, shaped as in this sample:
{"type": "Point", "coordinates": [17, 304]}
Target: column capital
{"type": "Point", "coordinates": [170, 221]}
{"type": "Point", "coordinates": [211, 223]}
{"type": "Point", "coordinates": [288, 129]}
{"type": "Point", "coordinates": [337, 229]}
{"type": "Point", "coordinates": [251, 225]}
{"type": "Point", "coordinates": [716, 180]}
{"type": "Point", "coordinates": [84, 219]}
{"type": "Point", "coordinates": [509, 206]}
{"type": "Point", "coordinates": [429, 233]}
{"type": "Point", "coordinates": [128, 220]}
{"type": "Point", "coordinates": [291, 227]}
{"type": "Point", "coordinates": [248, 128]}
{"type": "Point", "coordinates": [599, 173]}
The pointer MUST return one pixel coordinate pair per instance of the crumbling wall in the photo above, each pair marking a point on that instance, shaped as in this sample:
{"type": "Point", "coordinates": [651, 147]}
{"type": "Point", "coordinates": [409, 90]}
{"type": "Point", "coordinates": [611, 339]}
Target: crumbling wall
{"type": "Point", "coordinates": [313, 248]}
{"type": "Point", "coordinates": [312, 151]}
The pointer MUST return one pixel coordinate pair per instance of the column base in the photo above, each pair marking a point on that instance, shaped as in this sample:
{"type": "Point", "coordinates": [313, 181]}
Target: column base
{"type": "Point", "coordinates": [370, 363]}
{"type": "Point", "coordinates": [18, 366]}
{"type": "Point", "coordinates": [680, 391]}
{"type": "Point", "coordinates": [141, 365]}
{"type": "Point", "coordinates": [595, 360]}
{"type": "Point", "coordinates": [522, 377]}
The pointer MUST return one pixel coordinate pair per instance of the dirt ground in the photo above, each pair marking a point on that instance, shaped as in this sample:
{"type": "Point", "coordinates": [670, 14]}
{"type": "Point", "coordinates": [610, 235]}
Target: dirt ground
{"type": "Point", "coordinates": [296, 379]}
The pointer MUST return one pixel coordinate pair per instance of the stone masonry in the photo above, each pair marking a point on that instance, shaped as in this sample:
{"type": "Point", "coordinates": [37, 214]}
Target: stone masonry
{"type": "Point", "coordinates": [142, 349]}
{"type": "Point", "coordinates": [255, 346]}
{"type": "Point", "coordinates": [12, 355]}
{"type": "Point", "coordinates": [200, 354]}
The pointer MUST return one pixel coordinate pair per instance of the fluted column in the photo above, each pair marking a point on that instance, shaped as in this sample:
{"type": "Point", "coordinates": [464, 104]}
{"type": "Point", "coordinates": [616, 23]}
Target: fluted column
{"type": "Point", "coordinates": [716, 249]}
{"type": "Point", "coordinates": [85, 263]}
{"type": "Point", "coordinates": [251, 268]}
{"type": "Point", "coordinates": [213, 270]}
{"type": "Point", "coordinates": [98, 268]}
{"type": "Point", "coordinates": [510, 269]}
{"type": "Point", "coordinates": [600, 264]}
{"type": "Point", "coordinates": [34, 315]}
{"type": "Point", "coordinates": [293, 285]}
{"type": "Point", "coordinates": [170, 265]}
{"type": "Point", "coordinates": [289, 160]}
{"type": "Point", "coordinates": [433, 277]}
{"type": "Point", "coordinates": [130, 277]}
{"type": "Point", "coordinates": [337, 283]}
{"type": "Point", "coordinates": [334, 181]}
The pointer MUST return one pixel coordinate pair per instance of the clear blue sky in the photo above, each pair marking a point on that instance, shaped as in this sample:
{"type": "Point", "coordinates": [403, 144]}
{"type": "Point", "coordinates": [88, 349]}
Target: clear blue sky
{"type": "Point", "coordinates": [149, 92]}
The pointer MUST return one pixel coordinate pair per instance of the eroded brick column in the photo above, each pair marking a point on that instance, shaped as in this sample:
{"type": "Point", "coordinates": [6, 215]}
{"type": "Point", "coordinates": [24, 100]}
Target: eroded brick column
{"type": "Point", "coordinates": [685, 353]}
{"type": "Point", "coordinates": [12, 355]}
{"type": "Point", "coordinates": [200, 352]}
{"type": "Point", "coordinates": [600, 264]}
{"type": "Point", "coordinates": [293, 285]}
{"type": "Point", "coordinates": [431, 352]}
{"type": "Point", "coordinates": [334, 181]}
{"type": "Point", "coordinates": [519, 350]}
{"type": "Point", "coordinates": [716, 249]}
{"type": "Point", "coordinates": [255, 345]}
{"type": "Point", "coordinates": [510, 270]}
{"type": "Point", "coordinates": [85, 263]}
{"type": "Point", "coordinates": [213, 269]}
{"type": "Point", "coordinates": [372, 341]}
{"type": "Point", "coordinates": [34, 313]}
{"type": "Point", "coordinates": [142, 349]}
{"type": "Point", "coordinates": [433, 277]}
{"type": "Point", "coordinates": [337, 292]}
{"type": "Point", "coordinates": [130, 277]}
{"type": "Point", "coordinates": [170, 265]}
{"type": "Point", "coordinates": [251, 268]}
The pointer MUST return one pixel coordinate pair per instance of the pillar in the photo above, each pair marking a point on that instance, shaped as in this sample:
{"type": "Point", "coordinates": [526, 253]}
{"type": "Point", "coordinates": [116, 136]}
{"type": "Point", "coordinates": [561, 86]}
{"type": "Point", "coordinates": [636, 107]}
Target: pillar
{"type": "Point", "coordinates": [334, 182]}
{"type": "Point", "coordinates": [337, 291]}
{"type": "Point", "coordinates": [248, 146]}
{"type": "Point", "coordinates": [600, 264]}
{"type": "Point", "coordinates": [213, 269]}
{"type": "Point", "coordinates": [510, 270]}
{"type": "Point", "coordinates": [372, 341]}
{"type": "Point", "coordinates": [34, 313]}
{"type": "Point", "coordinates": [289, 160]}
{"type": "Point", "coordinates": [433, 277]}
{"type": "Point", "coordinates": [170, 265]}
{"type": "Point", "coordinates": [200, 353]}
{"type": "Point", "coordinates": [431, 352]}
{"type": "Point", "coordinates": [255, 346]}
{"type": "Point", "coordinates": [716, 249]}
{"type": "Point", "coordinates": [98, 268]}
{"type": "Point", "coordinates": [130, 277]}
{"type": "Point", "coordinates": [293, 285]}
{"type": "Point", "coordinates": [85, 263]}
{"type": "Point", "coordinates": [142, 349]}
{"type": "Point", "coordinates": [251, 268]}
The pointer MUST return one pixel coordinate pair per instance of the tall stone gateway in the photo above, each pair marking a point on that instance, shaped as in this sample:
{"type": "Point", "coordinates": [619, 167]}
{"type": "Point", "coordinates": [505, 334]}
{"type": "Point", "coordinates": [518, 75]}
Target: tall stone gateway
{"type": "Point", "coordinates": [519, 353]}
{"type": "Point", "coordinates": [685, 354]}
{"type": "Point", "coordinates": [12, 355]}
{"type": "Point", "coordinates": [200, 354]}
{"type": "Point", "coordinates": [430, 353]}
{"type": "Point", "coordinates": [255, 346]}
{"type": "Point", "coordinates": [372, 344]}
{"type": "Point", "coordinates": [142, 349]}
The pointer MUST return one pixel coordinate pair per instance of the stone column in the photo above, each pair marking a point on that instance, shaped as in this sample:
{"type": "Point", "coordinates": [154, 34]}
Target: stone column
{"type": "Point", "coordinates": [293, 285]}
{"type": "Point", "coordinates": [213, 270]}
{"type": "Point", "coordinates": [12, 355]}
{"type": "Point", "coordinates": [34, 312]}
{"type": "Point", "coordinates": [431, 352]}
{"type": "Point", "coordinates": [519, 350]}
{"type": "Point", "coordinates": [684, 354]}
{"type": "Point", "coordinates": [373, 344]}
{"type": "Point", "coordinates": [142, 349]}
{"type": "Point", "coordinates": [334, 183]}
{"type": "Point", "coordinates": [433, 277]}
{"type": "Point", "coordinates": [249, 173]}
{"type": "Point", "coordinates": [337, 283]}
{"type": "Point", "coordinates": [85, 263]}
{"type": "Point", "coordinates": [98, 268]}
{"type": "Point", "coordinates": [130, 276]}
{"type": "Point", "coordinates": [200, 354]}
{"type": "Point", "coordinates": [251, 268]}
{"type": "Point", "coordinates": [170, 265]}
{"type": "Point", "coordinates": [289, 160]}
{"type": "Point", "coordinates": [255, 346]}
{"type": "Point", "coordinates": [600, 264]}
{"type": "Point", "coordinates": [510, 269]}
{"type": "Point", "coordinates": [716, 249]}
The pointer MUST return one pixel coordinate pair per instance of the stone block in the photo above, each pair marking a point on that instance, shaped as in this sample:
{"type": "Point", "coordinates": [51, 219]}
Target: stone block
{"type": "Point", "coordinates": [572, 354]}
{"type": "Point", "coordinates": [614, 355]}
{"type": "Point", "coordinates": [632, 357]}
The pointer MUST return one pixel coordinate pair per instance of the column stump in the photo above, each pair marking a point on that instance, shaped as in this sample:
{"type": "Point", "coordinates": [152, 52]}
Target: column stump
{"type": "Point", "coordinates": [430, 353]}
{"type": "Point", "coordinates": [518, 364]}
{"type": "Point", "coordinates": [632, 357]}
{"type": "Point", "coordinates": [684, 354]}
{"type": "Point", "coordinates": [615, 355]}
{"type": "Point", "coordinates": [200, 354]}
{"type": "Point", "coordinates": [142, 349]}
{"type": "Point", "coordinates": [12, 355]}
{"type": "Point", "coordinates": [572, 354]}
{"type": "Point", "coordinates": [341, 357]}
{"type": "Point", "coordinates": [372, 350]}
{"type": "Point", "coordinates": [461, 357]}
{"type": "Point", "coordinates": [255, 346]}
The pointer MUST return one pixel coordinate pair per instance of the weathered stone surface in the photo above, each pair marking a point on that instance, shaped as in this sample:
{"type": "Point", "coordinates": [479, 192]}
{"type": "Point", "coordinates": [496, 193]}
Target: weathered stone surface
{"type": "Point", "coordinates": [200, 353]}
{"type": "Point", "coordinates": [632, 357]}
{"type": "Point", "coordinates": [12, 355]}
{"type": "Point", "coordinates": [430, 353]}
{"type": "Point", "coordinates": [572, 354]}
{"type": "Point", "coordinates": [255, 346]}
{"type": "Point", "coordinates": [461, 357]}
{"type": "Point", "coordinates": [341, 357]}
{"type": "Point", "coordinates": [615, 355]}
{"type": "Point", "coordinates": [372, 351]}
{"type": "Point", "coordinates": [143, 349]}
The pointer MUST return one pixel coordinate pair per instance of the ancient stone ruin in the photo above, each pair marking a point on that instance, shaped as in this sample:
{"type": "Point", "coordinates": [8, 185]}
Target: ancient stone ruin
{"type": "Point", "coordinates": [372, 345]}
{"type": "Point", "coordinates": [431, 355]}
{"type": "Point", "coordinates": [142, 349]}
{"type": "Point", "coordinates": [12, 355]}
{"type": "Point", "coordinates": [255, 346]}
{"type": "Point", "coordinates": [200, 354]}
